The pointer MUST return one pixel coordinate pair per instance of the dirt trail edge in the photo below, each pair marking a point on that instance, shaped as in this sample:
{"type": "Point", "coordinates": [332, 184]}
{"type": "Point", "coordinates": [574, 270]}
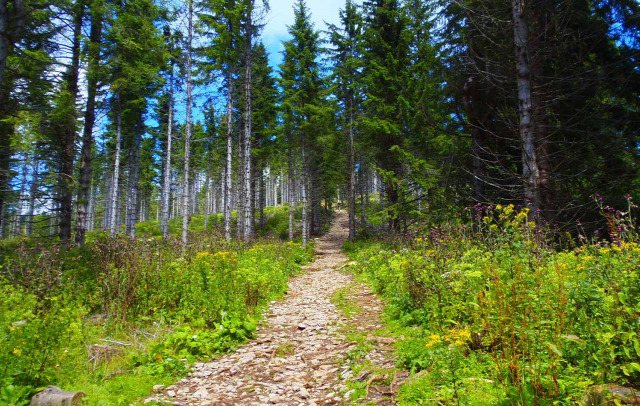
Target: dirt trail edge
{"type": "Point", "coordinates": [305, 352]}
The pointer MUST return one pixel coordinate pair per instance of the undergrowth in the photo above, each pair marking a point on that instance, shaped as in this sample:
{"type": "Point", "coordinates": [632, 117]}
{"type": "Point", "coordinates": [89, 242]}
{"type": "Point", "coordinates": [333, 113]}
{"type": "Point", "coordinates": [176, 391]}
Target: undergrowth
{"type": "Point", "coordinates": [122, 314]}
{"type": "Point", "coordinates": [495, 314]}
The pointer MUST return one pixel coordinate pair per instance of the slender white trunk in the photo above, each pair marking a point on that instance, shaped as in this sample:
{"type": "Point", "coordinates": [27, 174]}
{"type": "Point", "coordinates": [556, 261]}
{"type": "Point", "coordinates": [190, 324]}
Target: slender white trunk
{"type": "Point", "coordinates": [248, 209]}
{"type": "Point", "coordinates": [229, 163]}
{"type": "Point", "coordinates": [303, 190]}
{"type": "Point", "coordinates": [207, 202]}
{"type": "Point", "coordinates": [187, 137]}
{"type": "Point", "coordinates": [32, 195]}
{"type": "Point", "coordinates": [351, 189]}
{"type": "Point", "coordinates": [116, 175]}
{"type": "Point", "coordinates": [166, 184]}
{"type": "Point", "coordinates": [214, 202]}
{"type": "Point", "coordinates": [290, 194]}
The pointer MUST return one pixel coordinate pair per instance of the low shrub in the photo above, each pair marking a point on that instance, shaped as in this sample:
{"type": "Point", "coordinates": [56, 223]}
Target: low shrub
{"type": "Point", "coordinates": [496, 303]}
{"type": "Point", "coordinates": [56, 302]}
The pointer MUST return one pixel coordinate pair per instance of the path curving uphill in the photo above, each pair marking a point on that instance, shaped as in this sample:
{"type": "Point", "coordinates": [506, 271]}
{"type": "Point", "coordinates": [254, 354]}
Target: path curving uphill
{"type": "Point", "coordinates": [299, 354]}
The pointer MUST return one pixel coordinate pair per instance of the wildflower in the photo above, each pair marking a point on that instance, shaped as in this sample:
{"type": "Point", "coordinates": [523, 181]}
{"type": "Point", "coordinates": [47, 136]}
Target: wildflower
{"type": "Point", "coordinates": [435, 339]}
{"type": "Point", "coordinates": [16, 351]}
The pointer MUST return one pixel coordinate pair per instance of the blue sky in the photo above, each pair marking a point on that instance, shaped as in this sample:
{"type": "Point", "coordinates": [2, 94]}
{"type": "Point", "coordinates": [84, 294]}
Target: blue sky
{"type": "Point", "coordinates": [281, 15]}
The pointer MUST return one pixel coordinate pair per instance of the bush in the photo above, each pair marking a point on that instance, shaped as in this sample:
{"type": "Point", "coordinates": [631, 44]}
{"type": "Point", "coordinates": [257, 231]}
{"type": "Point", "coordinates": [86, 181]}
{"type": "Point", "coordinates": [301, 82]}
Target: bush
{"type": "Point", "coordinates": [198, 302]}
{"type": "Point", "coordinates": [494, 301]}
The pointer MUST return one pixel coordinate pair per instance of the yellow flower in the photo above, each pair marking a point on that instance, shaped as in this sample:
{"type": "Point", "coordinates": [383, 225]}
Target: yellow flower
{"type": "Point", "coordinates": [202, 255]}
{"type": "Point", "coordinates": [435, 339]}
{"type": "Point", "coordinates": [16, 351]}
{"type": "Point", "coordinates": [499, 207]}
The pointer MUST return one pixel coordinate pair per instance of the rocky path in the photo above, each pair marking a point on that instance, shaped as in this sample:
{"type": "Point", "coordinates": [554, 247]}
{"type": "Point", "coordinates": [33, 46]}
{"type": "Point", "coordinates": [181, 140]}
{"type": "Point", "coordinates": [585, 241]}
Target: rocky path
{"type": "Point", "coordinates": [305, 352]}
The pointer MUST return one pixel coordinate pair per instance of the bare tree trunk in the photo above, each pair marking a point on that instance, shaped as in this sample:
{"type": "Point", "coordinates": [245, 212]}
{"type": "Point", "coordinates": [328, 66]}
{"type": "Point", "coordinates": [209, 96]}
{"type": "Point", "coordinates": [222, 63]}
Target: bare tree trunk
{"type": "Point", "coordinates": [4, 38]}
{"type": "Point", "coordinates": [95, 37]}
{"type": "Point", "coordinates": [240, 192]}
{"type": "Point", "coordinates": [166, 184]}
{"type": "Point", "coordinates": [227, 175]}
{"type": "Point", "coordinates": [530, 170]}
{"type": "Point", "coordinates": [68, 133]}
{"type": "Point", "coordinates": [248, 212]}
{"type": "Point", "coordinates": [282, 180]}
{"type": "Point", "coordinates": [207, 202]}
{"type": "Point", "coordinates": [32, 195]}
{"type": "Point", "coordinates": [91, 209]}
{"type": "Point", "coordinates": [351, 186]}
{"type": "Point", "coordinates": [22, 199]}
{"type": "Point", "coordinates": [262, 199]}
{"type": "Point", "coordinates": [303, 190]}
{"type": "Point", "coordinates": [133, 186]}
{"type": "Point", "coordinates": [290, 193]}
{"type": "Point", "coordinates": [187, 137]}
{"type": "Point", "coordinates": [116, 175]}
{"type": "Point", "coordinates": [363, 216]}
{"type": "Point", "coordinates": [214, 203]}
{"type": "Point", "coordinates": [539, 115]}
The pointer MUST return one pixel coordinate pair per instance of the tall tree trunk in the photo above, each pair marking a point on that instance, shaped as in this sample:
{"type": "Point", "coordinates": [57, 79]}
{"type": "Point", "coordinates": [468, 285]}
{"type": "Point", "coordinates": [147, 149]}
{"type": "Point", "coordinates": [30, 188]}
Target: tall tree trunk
{"type": "Point", "coordinates": [95, 37]}
{"type": "Point", "coordinates": [240, 192]}
{"type": "Point", "coordinates": [530, 170]}
{"type": "Point", "coordinates": [207, 201]}
{"type": "Point", "coordinates": [263, 197]}
{"type": "Point", "coordinates": [7, 41]}
{"type": "Point", "coordinates": [187, 137]}
{"type": "Point", "coordinates": [303, 190]}
{"type": "Point", "coordinates": [351, 185]}
{"type": "Point", "coordinates": [4, 38]}
{"type": "Point", "coordinates": [476, 128]}
{"type": "Point", "coordinates": [248, 213]}
{"type": "Point", "coordinates": [290, 187]}
{"type": "Point", "coordinates": [229, 160]}
{"type": "Point", "coordinates": [22, 200]}
{"type": "Point", "coordinates": [68, 133]}
{"type": "Point", "coordinates": [115, 183]}
{"type": "Point", "coordinates": [539, 114]}
{"type": "Point", "coordinates": [133, 186]}
{"type": "Point", "coordinates": [91, 208]}
{"type": "Point", "coordinates": [32, 195]}
{"type": "Point", "coordinates": [166, 183]}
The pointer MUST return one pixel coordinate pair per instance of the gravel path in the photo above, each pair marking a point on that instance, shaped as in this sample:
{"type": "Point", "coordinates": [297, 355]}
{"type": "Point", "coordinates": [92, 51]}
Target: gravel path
{"type": "Point", "coordinates": [298, 355]}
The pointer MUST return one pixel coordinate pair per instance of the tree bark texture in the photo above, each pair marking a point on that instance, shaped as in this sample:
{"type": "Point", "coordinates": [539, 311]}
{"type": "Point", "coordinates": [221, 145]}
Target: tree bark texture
{"type": "Point", "coordinates": [95, 37]}
{"type": "Point", "coordinates": [113, 211]}
{"type": "Point", "coordinates": [166, 183]}
{"type": "Point", "coordinates": [229, 160]}
{"type": "Point", "coordinates": [67, 134]}
{"type": "Point", "coordinates": [187, 137]}
{"type": "Point", "coordinates": [248, 210]}
{"type": "Point", "coordinates": [530, 170]}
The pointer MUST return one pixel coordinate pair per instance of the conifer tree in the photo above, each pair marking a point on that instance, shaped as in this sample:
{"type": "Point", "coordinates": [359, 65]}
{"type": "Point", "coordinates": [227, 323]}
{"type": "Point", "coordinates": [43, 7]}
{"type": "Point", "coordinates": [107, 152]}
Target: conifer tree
{"type": "Point", "coordinates": [347, 43]}
{"type": "Point", "coordinates": [96, 12]}
{"type": "Point", "coordinates": [302, 85]}
{"type": "Point", "coordinates": [385, 73]}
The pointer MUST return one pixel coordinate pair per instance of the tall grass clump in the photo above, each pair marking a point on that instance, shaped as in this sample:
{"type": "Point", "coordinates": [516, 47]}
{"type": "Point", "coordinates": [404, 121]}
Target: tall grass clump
{"type": "Point", "coordinates": [496, 314]}
{"type": "Point", "coordinates": [129, 312]}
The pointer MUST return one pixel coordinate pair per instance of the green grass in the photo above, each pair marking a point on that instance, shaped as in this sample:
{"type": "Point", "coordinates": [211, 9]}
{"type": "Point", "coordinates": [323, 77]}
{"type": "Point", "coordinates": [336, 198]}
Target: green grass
{"type": "Point", "coordinates": [494, 314]}
{"type": "Point", "coordinates": [166, 308]}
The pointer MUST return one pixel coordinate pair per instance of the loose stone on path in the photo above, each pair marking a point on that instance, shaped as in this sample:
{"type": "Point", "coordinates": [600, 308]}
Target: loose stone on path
{"type": "Point", "coordinates": [295, 357]}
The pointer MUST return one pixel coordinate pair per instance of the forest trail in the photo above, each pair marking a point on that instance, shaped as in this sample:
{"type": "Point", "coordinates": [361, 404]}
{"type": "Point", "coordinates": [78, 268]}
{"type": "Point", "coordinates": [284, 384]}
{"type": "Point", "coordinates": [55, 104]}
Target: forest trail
{"type": "Point", "coordinates": [309, 347]}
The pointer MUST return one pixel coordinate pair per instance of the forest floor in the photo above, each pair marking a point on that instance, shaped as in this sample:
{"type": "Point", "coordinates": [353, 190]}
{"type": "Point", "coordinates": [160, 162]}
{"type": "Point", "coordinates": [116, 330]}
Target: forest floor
{"type": "Point", "coordinates": [323, 343]}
